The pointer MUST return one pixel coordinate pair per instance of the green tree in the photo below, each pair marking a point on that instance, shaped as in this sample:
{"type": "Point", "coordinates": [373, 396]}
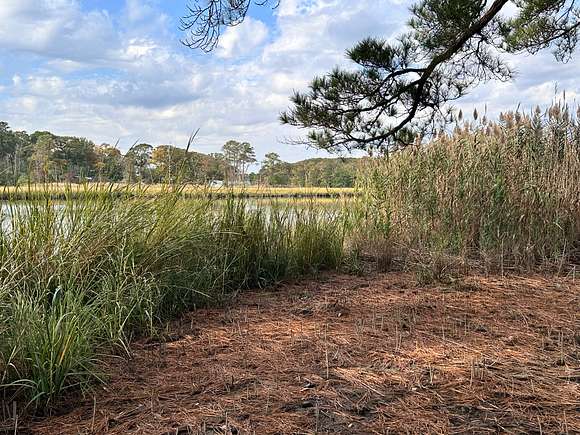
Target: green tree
{"type": "Point", "coordinates": [317, 172]}
{"type": "Point", "coordinates": [215, 167]}
{"type": "Point", "coordinates": [8, 144]}
{"type": "Point", "coordinates": [60, 158]}
{"type": "Point", "coordinates": [270, 161]}
{"type": "Point", "coordinates": [248, 157]}
{"type": "Point", "coordinates": [172, 164]}
{"type": "Point", "coordinates": [42, 165]}
{"type": "Point", "coordinates": [76, 158]}
{"type": "Point", "coordinates": [166, 162]}
{"type": "Point", "coordinates": [109, 163]}
{"type": "Point", "coordinates": [15, 149]}
{"type": "Point", "coordinates": [400, 90]}
{"type": "Point", "coordinates": [137, 163]}
{"type": "Point", "coordinates": [274, 171]}
{"type": "Point", "coordinates": [238, 156]}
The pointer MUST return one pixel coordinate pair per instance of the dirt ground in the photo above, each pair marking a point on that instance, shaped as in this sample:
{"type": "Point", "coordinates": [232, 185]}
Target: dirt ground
{"type": "Point", "coordinates": [353, 355]}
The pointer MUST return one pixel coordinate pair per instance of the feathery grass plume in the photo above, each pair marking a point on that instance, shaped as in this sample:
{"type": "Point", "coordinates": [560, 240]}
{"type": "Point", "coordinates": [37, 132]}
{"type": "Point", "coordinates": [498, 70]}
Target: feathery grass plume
{"type": "Point", "coordinates": [506, 192]}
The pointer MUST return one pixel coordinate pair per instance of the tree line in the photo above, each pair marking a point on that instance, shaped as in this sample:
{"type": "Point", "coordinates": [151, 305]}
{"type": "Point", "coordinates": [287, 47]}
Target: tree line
{"type": "Point", "coordinates": [319, 172]}
{"type": "Point", "coordinates": [43, 157]}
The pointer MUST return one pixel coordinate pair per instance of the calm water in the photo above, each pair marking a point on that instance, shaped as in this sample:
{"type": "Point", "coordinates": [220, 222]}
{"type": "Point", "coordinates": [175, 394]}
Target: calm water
{"type": "Point", "coordinates": [287, 205]}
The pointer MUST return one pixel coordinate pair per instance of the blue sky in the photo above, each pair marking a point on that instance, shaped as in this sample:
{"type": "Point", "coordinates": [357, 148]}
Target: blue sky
{"type": "Point", "coordinates": [114, 70]}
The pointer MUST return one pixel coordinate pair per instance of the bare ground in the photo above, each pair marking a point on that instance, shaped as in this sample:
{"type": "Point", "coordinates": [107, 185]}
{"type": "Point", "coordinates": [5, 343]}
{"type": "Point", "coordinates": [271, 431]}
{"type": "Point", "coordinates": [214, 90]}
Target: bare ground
{"type": "Point", "coordinates": [344, 354]}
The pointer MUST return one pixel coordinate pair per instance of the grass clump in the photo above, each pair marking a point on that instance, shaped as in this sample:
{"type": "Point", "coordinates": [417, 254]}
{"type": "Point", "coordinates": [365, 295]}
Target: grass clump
{"type": "Point", "coordinates": [506, 194]}
{"type": "Point", "coordinates": [83, 277]}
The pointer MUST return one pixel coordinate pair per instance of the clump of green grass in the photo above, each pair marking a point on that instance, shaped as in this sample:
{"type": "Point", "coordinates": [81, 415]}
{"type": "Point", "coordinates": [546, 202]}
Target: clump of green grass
{"type": "Point", "coordinates": [83, 277]}
{"type": "Point", "coordinates": [506, 193]}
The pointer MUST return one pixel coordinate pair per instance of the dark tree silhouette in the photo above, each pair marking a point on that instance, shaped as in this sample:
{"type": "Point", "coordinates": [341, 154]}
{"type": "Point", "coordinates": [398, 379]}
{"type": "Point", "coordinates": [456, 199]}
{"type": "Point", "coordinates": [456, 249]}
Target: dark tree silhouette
{"type": "Point", "coordinates": [205, 19]}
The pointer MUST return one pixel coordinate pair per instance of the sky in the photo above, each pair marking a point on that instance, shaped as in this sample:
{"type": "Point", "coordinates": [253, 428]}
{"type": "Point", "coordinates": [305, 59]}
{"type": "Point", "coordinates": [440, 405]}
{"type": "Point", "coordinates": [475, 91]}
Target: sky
{"type": "Point", "coordinates": [115, 71]}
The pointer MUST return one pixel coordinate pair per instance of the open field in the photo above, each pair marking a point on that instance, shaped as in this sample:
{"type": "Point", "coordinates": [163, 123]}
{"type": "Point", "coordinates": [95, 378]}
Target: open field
{"type": "Point", "coordinates": [80, 191]}
{"type": "Point", "coordinates": [344, 354]}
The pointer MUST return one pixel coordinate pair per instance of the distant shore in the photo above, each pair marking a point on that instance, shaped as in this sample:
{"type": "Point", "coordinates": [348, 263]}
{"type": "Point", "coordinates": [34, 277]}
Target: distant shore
{"type": "Point", "coordinates": [86, 190]}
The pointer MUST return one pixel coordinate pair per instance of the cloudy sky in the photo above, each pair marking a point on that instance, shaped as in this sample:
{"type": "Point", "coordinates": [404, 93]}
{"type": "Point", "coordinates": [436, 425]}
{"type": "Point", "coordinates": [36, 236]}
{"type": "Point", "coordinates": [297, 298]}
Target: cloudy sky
{"type": "Point", "coordinates": [114, 70]}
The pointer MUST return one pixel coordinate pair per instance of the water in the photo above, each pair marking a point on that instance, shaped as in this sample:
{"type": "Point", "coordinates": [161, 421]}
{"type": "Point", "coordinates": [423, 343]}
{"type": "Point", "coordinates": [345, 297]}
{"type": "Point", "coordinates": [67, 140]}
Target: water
{"type": "Point", "coordinates": [289, 206]}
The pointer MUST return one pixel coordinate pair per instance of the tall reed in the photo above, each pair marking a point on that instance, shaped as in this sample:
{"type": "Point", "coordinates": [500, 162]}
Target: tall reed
{"type": "Point", "coordinates": [505, 192]}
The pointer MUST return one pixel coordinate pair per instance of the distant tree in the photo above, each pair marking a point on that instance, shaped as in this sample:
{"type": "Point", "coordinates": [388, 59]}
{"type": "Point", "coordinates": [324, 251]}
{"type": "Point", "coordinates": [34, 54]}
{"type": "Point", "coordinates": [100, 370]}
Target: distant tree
{"type": "Point", "coordinates": [231, 154]}
{"type": "Point", "coordinates": [137, 163]}
{"type": "Point", "coordinates": [165, 161]}
{"type": "Point", "coordinates": [325, 172]}
{"type": "Point", "coordinates": [46, 157]}
{"type": "Point", "coordinates": [76, 158]}
{"type": "Point", "coordinates": [248, 157]}
{"type": "Point", "coordinates": [402, 89]}
{"type": "Point", "coordinates": [7, 140]}
{"type": "Point", "coordinates": [215, 167]}
{"type": "Point", "coordinates": [274, 171]}
{"type": "Point", "coordinates": [270, 161]}
{"type": "Point", "coordinates": [175, 164]}
{"type": "Point", "coordinates": [15, 149]}
{"type": "Point", "coordinates": [34, 137]}
{"type": "Point", "coordinates": [254, 178]}
{"type": "Point", "coordinates": [109, 163]}
{"type": "Point", "coordinates": [238, 156]}
{"type": "Point", "coordinates": [60, 158]}
{"type": "Point", "coordinates": [42, 165]}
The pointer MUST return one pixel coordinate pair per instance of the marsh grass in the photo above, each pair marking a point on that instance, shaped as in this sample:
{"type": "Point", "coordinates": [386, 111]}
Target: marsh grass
{"type": "Point", "coordinates": [82, 278]}
{"type": "Point", "coordinates": [87, 190]}
{"type": "Point", "coordinates": [504, 194]}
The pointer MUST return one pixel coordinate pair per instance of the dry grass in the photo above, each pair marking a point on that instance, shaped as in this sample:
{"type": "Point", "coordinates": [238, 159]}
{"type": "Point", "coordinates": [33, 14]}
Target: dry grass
{"type": "Point", "coordinates": [343, 354]}
{"type": "Point", "coordinates": [504, 193]}
{"type": "Point", "coordinates": [68, 189]}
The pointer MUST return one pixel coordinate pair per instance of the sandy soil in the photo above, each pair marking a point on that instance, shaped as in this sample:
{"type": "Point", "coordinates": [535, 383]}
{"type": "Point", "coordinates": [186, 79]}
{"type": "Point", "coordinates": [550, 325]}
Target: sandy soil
{"type": "Point", "coordinates": [344, 354]}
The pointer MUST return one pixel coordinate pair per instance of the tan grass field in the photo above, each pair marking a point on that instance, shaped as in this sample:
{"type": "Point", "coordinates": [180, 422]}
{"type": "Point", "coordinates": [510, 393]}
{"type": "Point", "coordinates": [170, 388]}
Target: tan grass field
{"type": "Point", "coordinates": [62, 189]}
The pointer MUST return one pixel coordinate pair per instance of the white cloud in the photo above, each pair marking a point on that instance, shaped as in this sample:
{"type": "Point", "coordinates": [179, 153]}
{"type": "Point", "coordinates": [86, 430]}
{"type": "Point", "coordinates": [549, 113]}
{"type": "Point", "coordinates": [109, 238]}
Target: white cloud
{"type": "Point", "coordinates": [243, 39]}
{"type": "Point", "coordinates": [540, 79]}
{"type": "Point", "coordinates": [159, 93]}
{"type": "Point", "coordinates": [56, 28]}
{"type": "Point", "coordinates": [50, 86]}
{"type": "Point", "coordinates": [138, 10]}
